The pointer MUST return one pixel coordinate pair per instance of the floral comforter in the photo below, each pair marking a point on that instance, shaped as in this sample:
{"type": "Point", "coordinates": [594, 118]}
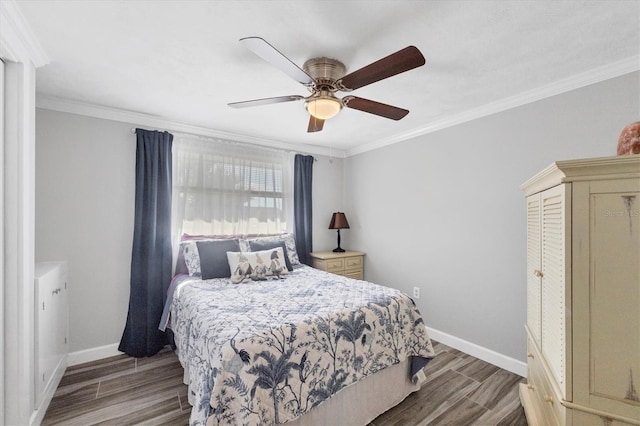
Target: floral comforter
{"type": "Point", "coordinates": [268, 351]}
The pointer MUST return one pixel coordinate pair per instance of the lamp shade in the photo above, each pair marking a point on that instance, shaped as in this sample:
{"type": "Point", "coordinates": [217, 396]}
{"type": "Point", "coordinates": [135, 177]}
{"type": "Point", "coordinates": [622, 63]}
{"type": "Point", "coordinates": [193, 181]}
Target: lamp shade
{"type": "Point", "coordinates": [324, 105]}
{"type": "Point", "coordinates": [339, 221]}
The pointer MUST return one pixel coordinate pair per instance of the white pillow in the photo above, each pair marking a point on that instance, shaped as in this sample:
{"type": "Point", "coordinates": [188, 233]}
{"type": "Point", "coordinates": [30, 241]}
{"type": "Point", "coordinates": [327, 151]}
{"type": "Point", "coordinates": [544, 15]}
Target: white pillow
{"type": "Point", "coordinates": [257, 265]}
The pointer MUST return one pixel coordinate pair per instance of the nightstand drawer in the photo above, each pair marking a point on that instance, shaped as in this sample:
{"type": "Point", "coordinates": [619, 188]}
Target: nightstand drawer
{"type": "Point", "coordinates": [334, 265]}
{"type": "Point", "coordinates": [353, 263]}
{"type": "Point", "coordinates": [355, 274]}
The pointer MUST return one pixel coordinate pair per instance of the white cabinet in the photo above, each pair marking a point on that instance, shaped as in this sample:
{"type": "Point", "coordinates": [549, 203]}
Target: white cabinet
{"type": "Point", "coordinates": [583, 293]}
{"type": "Point", "coordinates": [51, 328]}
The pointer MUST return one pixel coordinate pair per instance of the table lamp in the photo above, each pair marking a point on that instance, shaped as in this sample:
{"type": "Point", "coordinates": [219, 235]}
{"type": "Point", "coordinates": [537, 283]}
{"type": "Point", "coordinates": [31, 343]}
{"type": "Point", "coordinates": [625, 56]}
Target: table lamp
{"type": "Point", "coordinates": [338, 221]}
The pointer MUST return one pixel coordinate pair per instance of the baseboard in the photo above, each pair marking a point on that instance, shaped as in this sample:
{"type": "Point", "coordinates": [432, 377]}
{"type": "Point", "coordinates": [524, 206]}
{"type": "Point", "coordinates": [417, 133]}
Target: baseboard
{"type": "Point", "coordinates": [488, 355]}
{"type": "Point", "coordinates": [93, 354]}
{"type": "Point", "coordinates": [480, 352]}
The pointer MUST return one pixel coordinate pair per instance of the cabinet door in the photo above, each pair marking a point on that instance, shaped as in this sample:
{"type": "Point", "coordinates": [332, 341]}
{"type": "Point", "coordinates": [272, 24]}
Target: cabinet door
{"type": "Point", "coordinates": [607, 317]}
{"type": "Point", "coordinates": [61, 314]}
{"type": "Point", "coordinates": [534, 268]}
{"type": "Point", "coordinates": [45, 333]}
{"type": "Point", "coordinates": [556, 282]}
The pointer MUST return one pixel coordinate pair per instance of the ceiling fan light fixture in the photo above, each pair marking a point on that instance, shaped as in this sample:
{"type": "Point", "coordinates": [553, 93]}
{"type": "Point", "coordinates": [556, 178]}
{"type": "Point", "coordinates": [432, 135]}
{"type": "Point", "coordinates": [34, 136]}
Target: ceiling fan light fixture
{"type": "Point", "coordinates": [323, 106]}
{"type": "Point", "coordinates": [324, 76]}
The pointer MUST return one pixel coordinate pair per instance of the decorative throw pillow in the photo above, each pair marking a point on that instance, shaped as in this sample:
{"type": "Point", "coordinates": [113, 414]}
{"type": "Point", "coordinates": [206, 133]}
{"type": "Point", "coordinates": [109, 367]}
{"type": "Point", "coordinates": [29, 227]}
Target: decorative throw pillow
{"type": "Point", "coordinates": [191, 257]}
{"type": "Point", "coordinates": [259, 245]}
{"type": "Point", "coordinates": [213, 257]}
{"type": "Point", "coordinates": [289, 242]}
{"type": "Point", "coordinates": [256, 265]}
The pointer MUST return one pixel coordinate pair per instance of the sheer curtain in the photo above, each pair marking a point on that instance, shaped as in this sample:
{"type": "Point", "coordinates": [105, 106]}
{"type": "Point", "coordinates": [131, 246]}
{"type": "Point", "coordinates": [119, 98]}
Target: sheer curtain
{"type": "Point", "coordinates": [229, 188]}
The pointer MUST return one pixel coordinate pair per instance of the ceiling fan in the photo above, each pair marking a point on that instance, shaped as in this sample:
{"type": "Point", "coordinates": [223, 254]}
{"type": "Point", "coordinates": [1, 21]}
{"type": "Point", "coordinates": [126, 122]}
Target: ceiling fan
{"type": "Point", "coordinates": [326, 76]}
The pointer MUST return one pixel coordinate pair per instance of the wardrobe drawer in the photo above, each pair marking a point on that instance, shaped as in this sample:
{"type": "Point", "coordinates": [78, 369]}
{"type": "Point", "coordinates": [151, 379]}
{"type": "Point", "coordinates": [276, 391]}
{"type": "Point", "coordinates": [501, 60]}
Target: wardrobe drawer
{"type": "Point", "coordinates": [549, 403]}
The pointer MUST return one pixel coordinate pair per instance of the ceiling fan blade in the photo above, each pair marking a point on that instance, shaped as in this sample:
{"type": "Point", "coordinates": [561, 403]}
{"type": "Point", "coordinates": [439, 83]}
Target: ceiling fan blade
{"type": "Point", "coordinates": [265, 101]}
{"type": "Point", "coordinates": [396, 63]}
{"type": "Point", "coordinates": [262, 48]}
{"type": "Point", "coordinates": [315, 124]}
{"type": "Point", "coordinates": [373, 107]}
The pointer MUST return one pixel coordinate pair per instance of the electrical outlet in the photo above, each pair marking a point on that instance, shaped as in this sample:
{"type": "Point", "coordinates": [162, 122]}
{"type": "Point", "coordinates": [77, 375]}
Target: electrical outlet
{"type": "Point", "coordinates": [416, 292]}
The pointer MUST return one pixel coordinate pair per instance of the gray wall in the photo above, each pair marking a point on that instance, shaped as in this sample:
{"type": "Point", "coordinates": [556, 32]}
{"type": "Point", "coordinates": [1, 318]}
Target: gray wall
{"type": "Point", "coordinates": [85, 187]}
{"type": "Point", "coordinates": [327, 195]}
{"type": "Point", "coordinates": [444, 211]}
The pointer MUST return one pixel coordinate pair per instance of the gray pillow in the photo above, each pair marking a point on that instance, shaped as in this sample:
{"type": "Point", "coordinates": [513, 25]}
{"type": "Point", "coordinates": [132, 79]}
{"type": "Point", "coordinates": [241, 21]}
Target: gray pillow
{"type": "Point", "coordinates": [213, 257]}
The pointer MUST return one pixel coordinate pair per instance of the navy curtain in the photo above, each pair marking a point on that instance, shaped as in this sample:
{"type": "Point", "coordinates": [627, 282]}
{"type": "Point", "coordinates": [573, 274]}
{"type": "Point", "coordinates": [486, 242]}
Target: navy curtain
{"type": "Point", "coordinates": [151, 255]}
{"type": "Point", "coordinates": [303, 177]}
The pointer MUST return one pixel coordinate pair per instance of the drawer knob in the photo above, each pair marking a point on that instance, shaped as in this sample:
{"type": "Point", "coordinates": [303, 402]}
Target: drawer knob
{"type": "Point", "coordinates": [530, 387]}
{"type": "Point", "coordinates": [530, 355]}
{"type": "Point", "coordinates": [548, 399]}
{"type": "Point", "coordinates": [538, 273]}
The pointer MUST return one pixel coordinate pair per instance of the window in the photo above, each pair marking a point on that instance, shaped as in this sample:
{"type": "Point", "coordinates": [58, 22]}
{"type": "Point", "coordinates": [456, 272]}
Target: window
{"type": "Point", "coordinates": [227, 188]}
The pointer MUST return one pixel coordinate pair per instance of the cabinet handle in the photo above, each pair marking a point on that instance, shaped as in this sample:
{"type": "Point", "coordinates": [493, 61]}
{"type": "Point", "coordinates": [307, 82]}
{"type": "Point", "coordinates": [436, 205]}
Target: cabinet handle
{"type": "Point", "coordinates": [548, 399]}
{"type": "Point", "coordinates": [530, 355]}
{"type": "Point", "coordinates": [538, 273]}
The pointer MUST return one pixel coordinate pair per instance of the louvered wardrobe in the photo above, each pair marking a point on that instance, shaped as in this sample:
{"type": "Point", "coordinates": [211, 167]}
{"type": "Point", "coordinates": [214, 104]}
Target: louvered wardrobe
{"type": "Point", "coordinates": [583, 293]}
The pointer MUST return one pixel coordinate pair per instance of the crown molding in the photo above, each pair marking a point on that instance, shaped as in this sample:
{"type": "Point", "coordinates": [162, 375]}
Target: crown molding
{"type": "Point", "coordinates": [587, 78]}
{"type": "Point", "coordinates": [142, 119]}
{"type": "Point", "coordinates": [601, 168]}
{"type": "Point", "coordinates": [17, 41]}
{"type": "Point", "coordinates": [593, 76]}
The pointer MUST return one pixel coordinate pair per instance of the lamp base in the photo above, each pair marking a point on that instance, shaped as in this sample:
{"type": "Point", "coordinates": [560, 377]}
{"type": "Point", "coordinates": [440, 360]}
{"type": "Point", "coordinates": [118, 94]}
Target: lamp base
{"type": "Point", "coordinates": [338, 249]}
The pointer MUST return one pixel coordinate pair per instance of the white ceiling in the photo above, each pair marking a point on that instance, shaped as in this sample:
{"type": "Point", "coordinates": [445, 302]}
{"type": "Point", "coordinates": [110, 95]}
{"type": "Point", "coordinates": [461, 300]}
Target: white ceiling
{"type": "Point", "coordinates": [180, 61]}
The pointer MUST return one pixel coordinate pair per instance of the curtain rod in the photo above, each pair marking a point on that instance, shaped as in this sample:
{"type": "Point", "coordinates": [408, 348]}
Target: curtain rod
{"type": "Point", "coordinates": [133, 131]}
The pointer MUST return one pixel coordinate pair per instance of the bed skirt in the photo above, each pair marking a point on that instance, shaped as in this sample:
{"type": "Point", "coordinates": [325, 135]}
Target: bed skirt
{"type": "Point", "coordinates": [363, 401]}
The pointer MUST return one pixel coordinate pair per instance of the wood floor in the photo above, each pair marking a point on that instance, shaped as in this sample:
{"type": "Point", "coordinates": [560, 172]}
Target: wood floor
{"type": "Point", "coordinates": [460, 390]}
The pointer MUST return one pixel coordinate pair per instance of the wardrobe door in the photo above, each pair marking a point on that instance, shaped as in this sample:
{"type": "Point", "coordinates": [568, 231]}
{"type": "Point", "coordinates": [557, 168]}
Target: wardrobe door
{"type": "Point", "coordinates": [534, 268]}
{"type": "Point", "coordinates": [556, 283]}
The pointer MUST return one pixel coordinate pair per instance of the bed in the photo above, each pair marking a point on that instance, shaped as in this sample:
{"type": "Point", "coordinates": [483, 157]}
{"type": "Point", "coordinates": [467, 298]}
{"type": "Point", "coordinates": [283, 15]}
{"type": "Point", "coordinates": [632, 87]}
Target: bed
{"type": "Point", "coordinates": [291, 344]}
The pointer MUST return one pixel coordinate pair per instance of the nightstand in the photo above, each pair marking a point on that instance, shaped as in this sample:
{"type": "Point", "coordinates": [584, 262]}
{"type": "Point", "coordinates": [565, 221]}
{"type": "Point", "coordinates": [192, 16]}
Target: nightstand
{"type": "Point", "coordinates": [349, 263]}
